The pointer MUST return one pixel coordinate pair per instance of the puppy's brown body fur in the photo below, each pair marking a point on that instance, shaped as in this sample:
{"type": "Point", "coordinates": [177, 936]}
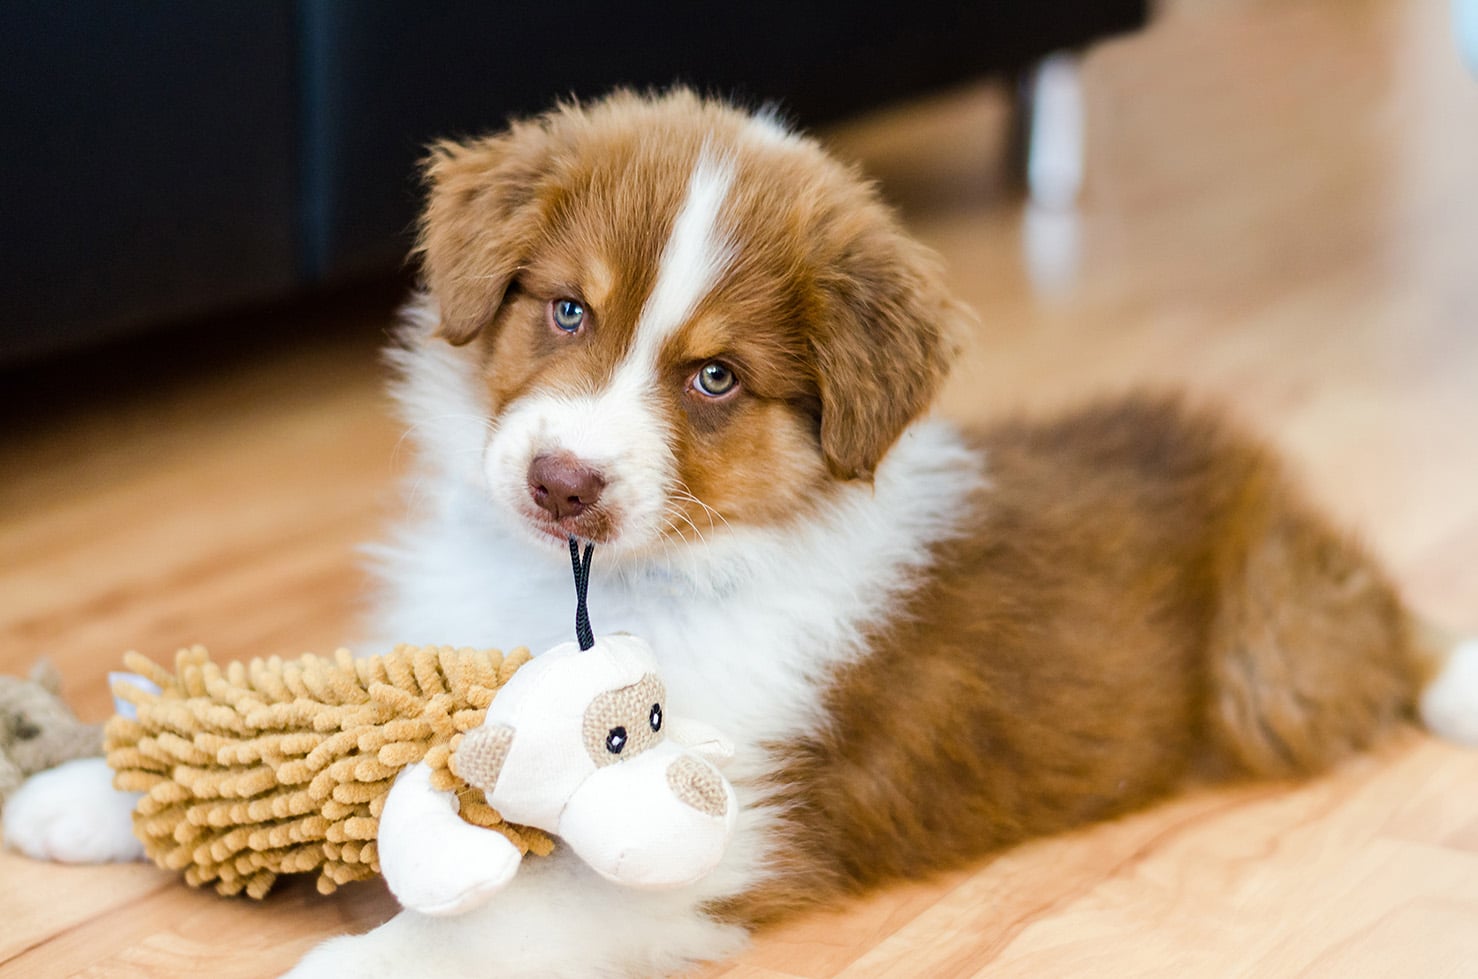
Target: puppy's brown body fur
{"type": "Point", "coordinates": [1139, 594]}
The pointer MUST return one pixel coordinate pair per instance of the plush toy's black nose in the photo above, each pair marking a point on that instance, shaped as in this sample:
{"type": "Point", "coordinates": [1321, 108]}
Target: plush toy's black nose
{"type": "Point", "coordinates": [563, 485]}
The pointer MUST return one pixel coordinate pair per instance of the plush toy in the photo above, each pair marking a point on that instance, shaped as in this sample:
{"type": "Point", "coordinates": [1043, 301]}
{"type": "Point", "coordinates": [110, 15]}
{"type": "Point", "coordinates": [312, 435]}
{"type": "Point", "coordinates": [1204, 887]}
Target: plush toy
{"type": "Point", "coordinates": [408, 763]}
{"type": "Point", "coordinates": [253, 770]}
{"type": "Point", "coordinates": [37, 730]}
{"type": "Point", "coordinates": [577, 743]}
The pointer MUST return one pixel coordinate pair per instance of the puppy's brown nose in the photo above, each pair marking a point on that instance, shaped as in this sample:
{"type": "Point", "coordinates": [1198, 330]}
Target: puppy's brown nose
{"type": "Point", "coordinates": [563, 485]}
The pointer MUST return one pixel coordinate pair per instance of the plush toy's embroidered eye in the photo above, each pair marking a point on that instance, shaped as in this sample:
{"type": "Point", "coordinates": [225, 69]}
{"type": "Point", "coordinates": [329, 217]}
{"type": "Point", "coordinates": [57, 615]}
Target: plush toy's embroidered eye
{"type": "Point", "coordinates": [24, 730]}
{"type": "Point", "coordinates": [715, 380]}
{"type": "Point", "coordinates": [567, 315]}
{"type": "Point", "coordinates": [624, 722]}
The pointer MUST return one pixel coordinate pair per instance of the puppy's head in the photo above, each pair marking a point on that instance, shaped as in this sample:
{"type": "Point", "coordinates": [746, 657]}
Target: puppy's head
{"type": "Point", "coordinates": [686, 318]}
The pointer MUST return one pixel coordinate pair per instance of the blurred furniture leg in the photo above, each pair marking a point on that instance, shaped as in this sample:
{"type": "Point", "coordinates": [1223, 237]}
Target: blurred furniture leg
{"type": "Point", "coordinates": [1465, 30]}
{"type": "Point", "coordinates": [1051, 103]}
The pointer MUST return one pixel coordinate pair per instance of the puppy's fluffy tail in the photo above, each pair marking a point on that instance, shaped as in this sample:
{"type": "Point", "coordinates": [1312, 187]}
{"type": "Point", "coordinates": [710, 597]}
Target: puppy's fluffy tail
{"type": "Point", "coordinates": [1449, 701]}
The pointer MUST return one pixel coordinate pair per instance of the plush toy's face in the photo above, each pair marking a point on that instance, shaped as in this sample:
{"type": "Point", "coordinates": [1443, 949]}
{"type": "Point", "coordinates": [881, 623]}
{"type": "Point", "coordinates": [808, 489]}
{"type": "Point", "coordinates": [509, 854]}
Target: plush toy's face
{"type": "Point", "coordinates": [576, 743]}
{"type": "Point", "coordinates": [620, 724]}
{"type": "Point", "coordinates": [559, 720]}
{"type": "Point", "coordinates": [37, 730]}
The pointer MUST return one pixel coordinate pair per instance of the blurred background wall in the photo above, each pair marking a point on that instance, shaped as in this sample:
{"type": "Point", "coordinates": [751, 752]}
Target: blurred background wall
{"type": "Point", "coordinates": [173, 159]}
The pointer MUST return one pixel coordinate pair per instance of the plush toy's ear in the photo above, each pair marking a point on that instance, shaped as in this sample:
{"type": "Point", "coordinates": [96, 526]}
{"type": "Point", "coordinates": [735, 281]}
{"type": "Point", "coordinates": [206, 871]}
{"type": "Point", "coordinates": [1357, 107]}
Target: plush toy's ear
{"type": "Point", "coordinates": [479, 757]}
{"type": "Point", "coordinates": [698, 785]}
{"type": "Point", "coordinates": [45, 673]}
{"type": "Point", "coordinates": [480, 218]}
{"type": "Point", "coordinates": [882, 338]}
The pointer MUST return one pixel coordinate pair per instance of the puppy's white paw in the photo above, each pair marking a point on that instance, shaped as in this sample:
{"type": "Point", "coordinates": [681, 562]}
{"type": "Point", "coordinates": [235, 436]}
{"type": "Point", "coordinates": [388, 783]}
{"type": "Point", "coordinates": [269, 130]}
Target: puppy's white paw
{"type": "Point", "coordinates": [72, 814]}
{"type": "Point", "coordinates": [1449, 705]}
{"type": "Point", "coordinates": [368, 956]}
{"type": "Point", "coordinates": [320, 963]}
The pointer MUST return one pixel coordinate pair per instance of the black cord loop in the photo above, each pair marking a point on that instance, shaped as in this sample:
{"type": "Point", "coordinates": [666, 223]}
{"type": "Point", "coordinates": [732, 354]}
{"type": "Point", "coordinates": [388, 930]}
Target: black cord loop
{"type": "Point", "coordinates": [582, 587]}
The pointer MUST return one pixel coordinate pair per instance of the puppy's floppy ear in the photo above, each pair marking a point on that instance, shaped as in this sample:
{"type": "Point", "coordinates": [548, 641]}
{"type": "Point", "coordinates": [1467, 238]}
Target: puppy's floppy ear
{"type": "Point", "coordinates": [480, 218]}
{"type": "Point", "coordinates": [883, 338]}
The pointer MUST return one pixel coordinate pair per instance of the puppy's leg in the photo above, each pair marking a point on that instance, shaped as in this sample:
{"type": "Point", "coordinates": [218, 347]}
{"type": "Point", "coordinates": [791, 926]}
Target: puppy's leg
{"type": "Point", "coordinates": [1312, 655]}
{"type": "Point", "coordinates": [556, 920]}
{"type": "Point", "coordinates": [72, 814]}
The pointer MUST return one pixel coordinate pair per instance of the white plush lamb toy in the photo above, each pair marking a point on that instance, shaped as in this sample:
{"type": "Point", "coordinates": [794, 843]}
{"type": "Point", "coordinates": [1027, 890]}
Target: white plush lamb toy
{"type": "Point", "coordinates": [576, 743]}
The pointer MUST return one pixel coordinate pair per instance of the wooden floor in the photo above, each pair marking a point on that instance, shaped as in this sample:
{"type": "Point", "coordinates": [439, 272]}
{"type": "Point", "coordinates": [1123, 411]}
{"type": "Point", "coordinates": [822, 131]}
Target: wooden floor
{"type": "Point", "coordinates": [1282, 213]}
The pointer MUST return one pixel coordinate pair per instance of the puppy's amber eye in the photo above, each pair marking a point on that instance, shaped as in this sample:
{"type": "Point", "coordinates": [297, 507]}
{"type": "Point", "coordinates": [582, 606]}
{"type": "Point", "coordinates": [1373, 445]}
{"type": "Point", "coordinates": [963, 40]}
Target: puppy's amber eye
{"type": "Point", "coordinates": [714, 380]}
{"type": "Point", "coordinates": [567, 315]}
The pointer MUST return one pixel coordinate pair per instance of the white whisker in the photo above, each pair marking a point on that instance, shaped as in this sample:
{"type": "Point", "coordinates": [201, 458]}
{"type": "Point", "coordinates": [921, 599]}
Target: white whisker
{"type": "Point", "coordinates": [671, 510]}
{"type": "Point", "coordinates": [684, 492]}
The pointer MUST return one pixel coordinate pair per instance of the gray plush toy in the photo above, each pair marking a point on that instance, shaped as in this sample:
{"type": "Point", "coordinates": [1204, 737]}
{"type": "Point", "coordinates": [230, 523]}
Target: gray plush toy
{"type": "Point", "coordinates": [37, 730]}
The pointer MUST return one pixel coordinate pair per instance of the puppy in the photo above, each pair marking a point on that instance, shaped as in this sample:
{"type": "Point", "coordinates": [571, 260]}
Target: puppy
{"type": "Point", "coordinates": [686, 334]}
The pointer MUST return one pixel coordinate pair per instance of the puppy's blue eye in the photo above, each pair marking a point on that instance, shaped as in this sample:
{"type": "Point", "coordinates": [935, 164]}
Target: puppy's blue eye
{"type": "Point", "coordinates": [567, 314]}
{"type": "Point", "coordinates": [715, 380]}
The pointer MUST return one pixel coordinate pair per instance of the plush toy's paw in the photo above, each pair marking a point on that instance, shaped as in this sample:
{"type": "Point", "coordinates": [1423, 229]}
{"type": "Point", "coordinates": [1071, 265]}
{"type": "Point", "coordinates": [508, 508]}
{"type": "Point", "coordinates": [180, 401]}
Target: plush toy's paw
{"type": "Point", "coordinates": [72, 814]}
{"type": "Point", "coordinates": [434, 862]}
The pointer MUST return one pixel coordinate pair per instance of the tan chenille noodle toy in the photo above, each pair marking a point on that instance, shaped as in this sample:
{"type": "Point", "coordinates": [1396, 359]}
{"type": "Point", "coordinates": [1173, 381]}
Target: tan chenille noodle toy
{"type": "Point", "coordinates": [251, 770]}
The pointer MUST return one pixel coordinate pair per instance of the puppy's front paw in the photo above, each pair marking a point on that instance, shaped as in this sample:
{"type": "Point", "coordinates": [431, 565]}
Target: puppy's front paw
{"type": "Point", "coordinates": [368, 956]}
{"type": "Point", "coordinates": [72, 814]}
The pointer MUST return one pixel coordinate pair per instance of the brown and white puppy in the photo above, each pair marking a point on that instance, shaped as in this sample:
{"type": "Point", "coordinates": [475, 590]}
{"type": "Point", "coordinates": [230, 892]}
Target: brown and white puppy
{"type": "Point", "coordinates": [686, 334]}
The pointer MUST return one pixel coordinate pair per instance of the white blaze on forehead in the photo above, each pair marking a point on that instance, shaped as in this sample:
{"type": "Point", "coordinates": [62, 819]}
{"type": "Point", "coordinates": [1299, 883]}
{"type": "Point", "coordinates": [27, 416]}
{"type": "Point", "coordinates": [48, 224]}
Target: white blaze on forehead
{"type": "Point", "coordinates": [697, 253]}
{"type": "Point", "coordinates": [621, 428]}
